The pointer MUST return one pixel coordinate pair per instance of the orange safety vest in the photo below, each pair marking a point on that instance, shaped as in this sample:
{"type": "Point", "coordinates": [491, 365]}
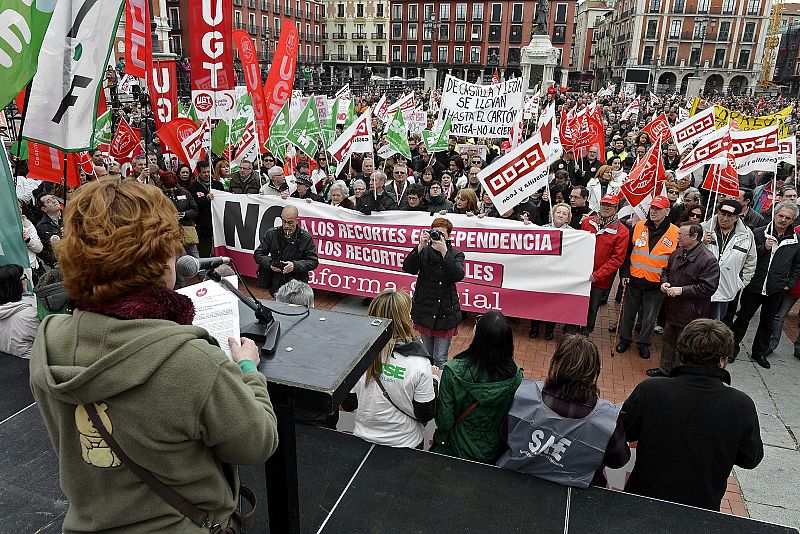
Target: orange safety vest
{"type": "Point", "coordinates": [648, 264]}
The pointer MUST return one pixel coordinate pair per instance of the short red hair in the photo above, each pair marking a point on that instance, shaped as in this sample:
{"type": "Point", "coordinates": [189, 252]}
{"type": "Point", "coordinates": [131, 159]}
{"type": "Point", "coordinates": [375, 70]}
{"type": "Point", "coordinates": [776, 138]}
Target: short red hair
{"type": "Point", "coordinates": [441, 222]}
{"type": "Point", "coordinates": [118, 236]}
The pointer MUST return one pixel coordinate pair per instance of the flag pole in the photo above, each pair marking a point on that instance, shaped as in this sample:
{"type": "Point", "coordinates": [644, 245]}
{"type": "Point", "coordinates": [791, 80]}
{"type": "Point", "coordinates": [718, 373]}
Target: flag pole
{"type": "Point", "coordinates": [21, 127]}
{"type": "Point", "coordinates": [64, 183]}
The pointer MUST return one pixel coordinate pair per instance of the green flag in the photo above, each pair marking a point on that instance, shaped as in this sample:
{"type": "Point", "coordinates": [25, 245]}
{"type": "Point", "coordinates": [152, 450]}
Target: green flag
{"type": "Point", "coordinates": [437, 141]}
{"type": "Point", "coordinates": [277, 132]}
{"type": "Point", "coordinates": [193, 115]}
{"type": "Point", "coordinates": [304, 133]}
{"type": "Point", "coordinates": [351, 114]}
{"type": "Point", "coordinates": [24, 24]}
{"type": "Point", "coordinates": [12, 247]}
{"type": "Point", "coordinates": [102, 129]}
{"type": "Point", "coordinates": [23, 150]}
{"type": "Point", "coordinates": [398, 136]}
{"type": "Point", "coordinates": [329, 126]}
{"type": "Point", "coordinates": [219, 137]}
{"type": "Point", "coordinates": [237, 130]}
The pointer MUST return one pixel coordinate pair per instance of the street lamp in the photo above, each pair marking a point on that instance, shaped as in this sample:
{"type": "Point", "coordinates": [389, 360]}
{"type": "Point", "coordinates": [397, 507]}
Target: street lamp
{"type": "Point", "coordinates": [430, 27]}
{"type": "Point", "coordinates": [703, 33]}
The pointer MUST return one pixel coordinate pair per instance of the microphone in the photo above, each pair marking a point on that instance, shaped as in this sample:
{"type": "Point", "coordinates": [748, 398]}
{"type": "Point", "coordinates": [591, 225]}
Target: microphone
{"type": "Point", "coordinates": [188, 266]}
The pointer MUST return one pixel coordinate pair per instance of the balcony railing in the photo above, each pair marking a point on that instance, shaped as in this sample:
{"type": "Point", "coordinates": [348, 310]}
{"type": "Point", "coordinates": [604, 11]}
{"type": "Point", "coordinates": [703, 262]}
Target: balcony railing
{"type": "Point", "coordinates": [253, 29]}
{"type": "Point", "coordinates": [316, 17]}
{"type": "Point", "coordinates": [265, 31]}
{"type": "Point", "coordinates": [379, 36]}
{"type": "Point", "coordinates": [493, 61]}
{"type": "Point", "coordinates": [289, 12]}
{"type": "Point", "coordinates": [239, 25]}
{"type": "Point", "coordinates": [265, 56]}
{"type": "Point", "coordinates": [266, 5]}
{"type": "Point", "coordinates": [175, 24]}
{"type": "Point", "coordinates": [338, 57]}
{"type": "Point", "coordinates": [276, 8]}
{"type": "Point", "coordinates": [237, 2]}
{"type": "Point", "coordinates": [317, 39]}
{"type": "Point", "coordinates": [339, 36]}
{"type": "Point", "coordinates": [251, 4]}
{"type": "Point", "coordinates": [359, 36]}
{"type": "Point", "coordinates": [276, 33]}
{"type": "Point", "coordinates": [461, 38]}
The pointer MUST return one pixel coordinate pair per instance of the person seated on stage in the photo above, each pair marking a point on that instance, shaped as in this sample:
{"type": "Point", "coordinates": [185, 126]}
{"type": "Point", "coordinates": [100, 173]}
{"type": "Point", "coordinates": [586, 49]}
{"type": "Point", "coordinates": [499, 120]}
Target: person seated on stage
{"type": "Point", "coordinates": [692, 427]}
{"type": "Point", "coordinates": [561, 430]}
{"type": "Point", "coordinates": [397, 395]}
{"type": "Point", "coordinates": [128, 373]}
{"type": "Point", "coordinates": [18, 319]}
{"type": "Point", "coordinates": [476, 391]}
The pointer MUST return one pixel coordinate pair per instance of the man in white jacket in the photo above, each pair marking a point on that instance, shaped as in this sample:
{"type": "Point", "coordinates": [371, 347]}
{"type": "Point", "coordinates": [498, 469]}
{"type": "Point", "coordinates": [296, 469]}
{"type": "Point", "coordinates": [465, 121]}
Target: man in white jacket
{"type": "Point", "coordinates": [731, 241]}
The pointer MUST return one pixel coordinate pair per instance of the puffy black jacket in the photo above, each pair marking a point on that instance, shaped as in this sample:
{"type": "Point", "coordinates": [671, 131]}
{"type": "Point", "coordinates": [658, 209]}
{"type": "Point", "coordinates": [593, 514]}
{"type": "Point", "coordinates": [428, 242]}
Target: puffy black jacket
{"type": "Point", "coordinates": [781, 269]}
{"type": "Point", "coordinates": [436, 303]}
{"type": "Point", "coordinates": [299, 248]}
{"type": "Point", "coordinates": [250, 186]}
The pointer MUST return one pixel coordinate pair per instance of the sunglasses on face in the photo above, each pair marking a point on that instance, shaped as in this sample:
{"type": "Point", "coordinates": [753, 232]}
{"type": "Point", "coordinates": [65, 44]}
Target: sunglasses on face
{"type": "Point", "coordinates": [673, 191]}
{"type": "Point", "coordinates": [695, 214]}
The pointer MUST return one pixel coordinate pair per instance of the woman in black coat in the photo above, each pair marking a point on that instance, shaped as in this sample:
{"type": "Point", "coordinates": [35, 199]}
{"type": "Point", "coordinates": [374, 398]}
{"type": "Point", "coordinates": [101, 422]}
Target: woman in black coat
{"type": "Point", "coordinates": [186, 208]}
{"type": "Point", "coordinates": [436, 311]}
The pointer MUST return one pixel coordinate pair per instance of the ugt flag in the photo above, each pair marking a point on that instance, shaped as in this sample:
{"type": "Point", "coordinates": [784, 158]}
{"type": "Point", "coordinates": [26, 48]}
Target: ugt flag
{"type": "Point", "coordinates": [71, 67]}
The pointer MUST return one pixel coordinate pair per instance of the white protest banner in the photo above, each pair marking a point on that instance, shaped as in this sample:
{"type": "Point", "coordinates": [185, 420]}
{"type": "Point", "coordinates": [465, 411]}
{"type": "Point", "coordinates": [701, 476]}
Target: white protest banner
{"type": "Point", "coordinates": [517, 175]}
{"type": "Point", "coordinates": [711, 149]}
{"type": "Point", "coordinates": [481, 110]}
{"type": "Point", "coordinates": [755, 150]}
{"type": "Point", "coordinates": [695, 127]}
{"type": "Point", "coordinates": [405, 104]}
{"type": "Point", "coordinates": [474, 150]}
{"type": "Point", "coordinates": [787, 150]}
{"type": "Point", "coordinates": [521, 270]}
{"type": "Point", "coordinates": [416, 122]}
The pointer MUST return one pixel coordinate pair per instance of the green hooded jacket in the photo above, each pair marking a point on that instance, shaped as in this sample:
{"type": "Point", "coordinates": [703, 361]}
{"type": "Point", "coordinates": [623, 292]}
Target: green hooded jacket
{"type": "Point", "coordinates": [172, 400]}
{"type": "Point", "coordinates": [477, 437]}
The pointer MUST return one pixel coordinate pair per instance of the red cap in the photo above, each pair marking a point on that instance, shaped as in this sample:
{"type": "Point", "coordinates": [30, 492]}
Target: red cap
{"type": "Point", "coordinates": [660, 202]}
{"type": "Point", "coordinates": [609, 199]}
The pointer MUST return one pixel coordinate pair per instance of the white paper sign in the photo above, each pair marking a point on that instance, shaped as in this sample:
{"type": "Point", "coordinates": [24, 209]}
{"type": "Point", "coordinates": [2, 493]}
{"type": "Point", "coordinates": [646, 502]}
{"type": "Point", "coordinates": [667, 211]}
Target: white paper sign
{"type": "Point", "coordinates": [481, 110]}
{"type": "Point", "coordinates": [215, 309]}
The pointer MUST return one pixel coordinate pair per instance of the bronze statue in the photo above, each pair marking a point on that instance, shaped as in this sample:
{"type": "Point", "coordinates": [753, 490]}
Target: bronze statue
{"type": "Point", "coordinates": [540, 18]}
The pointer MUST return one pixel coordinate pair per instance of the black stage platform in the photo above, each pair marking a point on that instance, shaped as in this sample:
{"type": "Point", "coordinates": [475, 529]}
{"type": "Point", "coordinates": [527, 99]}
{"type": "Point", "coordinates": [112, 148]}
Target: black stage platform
{"type": "Point", "coordinates": [350, 486]}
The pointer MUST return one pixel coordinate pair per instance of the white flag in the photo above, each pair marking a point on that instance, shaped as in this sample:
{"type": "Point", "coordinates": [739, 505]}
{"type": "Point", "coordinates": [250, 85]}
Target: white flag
{"type": "Point", "coordinates": [632, 109]}
{"type": "Point", "coordinates": [193, 144]}
{"type": "Point", "coordinates": [787, 148]}
{"type": "Point", "coordinates": [356, 138]}
{"type": "Point", "coordinates": [70, 70]}
{"type": "Point", "coordinates": [380, 109]}
{"type": "Point", "coordinates": [344, 93]}
{"type": "Point", "coordinates": [693, 128]}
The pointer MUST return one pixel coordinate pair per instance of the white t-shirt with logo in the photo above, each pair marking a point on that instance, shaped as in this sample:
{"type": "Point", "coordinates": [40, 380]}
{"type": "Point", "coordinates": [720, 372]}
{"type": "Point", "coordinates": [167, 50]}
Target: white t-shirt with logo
{"type": "Point", "coordinates": [406, 379]}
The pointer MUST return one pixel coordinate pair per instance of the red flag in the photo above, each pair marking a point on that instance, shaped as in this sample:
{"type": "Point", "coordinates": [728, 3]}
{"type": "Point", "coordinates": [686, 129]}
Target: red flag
{"type": "Point", "coordinates": [565, 132]}
{"type": "Point", "coordinates": [644, 177]}
{"type": "Point", "coordinates": [252, 79]}
{"type": "Point", "coordinates": [174, 136]}
{"type": "Point", "coordinates": [658, 129]}
{"type": "Point", "coordinates": [588, 131]}
{"type": "Point", "coordinates": [722, 178]}
{"type": "Point", "coordinates": [211, 22]}
{"type": "Point", "coordinates": [138, 44]}
{"type": "Point", "coordinates": [47, 163]}
{"type": "Point", "coordinates": [760, 105]}
{"type": "Point", "coordinates": [278, 88]}
{"type": "Point", "coordinates": [496, 77]}
{"type": "Point", "coordinates": [164, 91]}
{"type": "Point", "coordinates": [125, 140]}
{"type": "Point", "coordinates": [85, 162]}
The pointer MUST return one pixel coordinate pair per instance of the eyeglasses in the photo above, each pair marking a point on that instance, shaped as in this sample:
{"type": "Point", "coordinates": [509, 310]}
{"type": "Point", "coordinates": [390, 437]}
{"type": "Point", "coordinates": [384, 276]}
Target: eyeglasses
{"type": "Point", "coordinates": [673, 192]}
{"type": "Point", "coordinates": [695, 214]}
{"type": "Point", "coordinates": [269, 159]}
{"type": "Point", "coordinates": [399, 172]}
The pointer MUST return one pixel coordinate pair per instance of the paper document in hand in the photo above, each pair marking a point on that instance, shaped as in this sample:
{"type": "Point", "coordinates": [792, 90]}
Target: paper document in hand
{"type": "Point", "coordinates": [216, 310]}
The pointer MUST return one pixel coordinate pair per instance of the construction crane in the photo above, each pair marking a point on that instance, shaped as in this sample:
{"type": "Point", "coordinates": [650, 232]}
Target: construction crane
{"type": "Point", "coordinates": [771, 44]}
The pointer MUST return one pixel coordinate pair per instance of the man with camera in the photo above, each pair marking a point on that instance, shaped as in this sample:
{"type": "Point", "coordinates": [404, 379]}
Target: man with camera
{"type": "Point", "coordinates": [436, 311]}
{"type": "Point", "coordinates": [287, 252]}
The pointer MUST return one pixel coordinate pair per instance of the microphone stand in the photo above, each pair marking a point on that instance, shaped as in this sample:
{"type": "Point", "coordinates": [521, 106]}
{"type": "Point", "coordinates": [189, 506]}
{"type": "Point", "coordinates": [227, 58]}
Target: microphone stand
{"type": "Point", "coordinates": [266, 329]}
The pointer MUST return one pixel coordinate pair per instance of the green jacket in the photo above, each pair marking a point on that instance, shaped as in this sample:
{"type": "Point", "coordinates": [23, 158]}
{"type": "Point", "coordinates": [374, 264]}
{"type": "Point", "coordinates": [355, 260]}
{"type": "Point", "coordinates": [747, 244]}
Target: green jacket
{"type": "Point", "coordinates": [477, 437]}
{"type": "Point", "coordinates": [171, 399]}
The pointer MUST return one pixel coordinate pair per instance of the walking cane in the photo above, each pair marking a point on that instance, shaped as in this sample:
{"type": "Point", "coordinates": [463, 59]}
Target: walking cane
{"type": "Point", "coordinates": [619, 318]}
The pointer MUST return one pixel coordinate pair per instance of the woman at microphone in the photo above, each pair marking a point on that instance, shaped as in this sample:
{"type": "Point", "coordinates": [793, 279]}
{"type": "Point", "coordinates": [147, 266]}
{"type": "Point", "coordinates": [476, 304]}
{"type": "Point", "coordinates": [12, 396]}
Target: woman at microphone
{"type": "Point", "coordinates": [126, 378]}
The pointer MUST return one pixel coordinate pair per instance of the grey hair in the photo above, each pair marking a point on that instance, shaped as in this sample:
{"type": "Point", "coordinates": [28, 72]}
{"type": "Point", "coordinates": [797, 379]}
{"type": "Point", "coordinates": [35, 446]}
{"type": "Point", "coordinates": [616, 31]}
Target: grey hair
{"type": "Point", "coordinates": [360, 181]}
{"type": "Point", "coordinates": [274, 171]}
{"type": "Point", "coordinates": [380, 176]}
{"type": "Point", "coordinates": [341, 186]}
{"type": "Point", "coordinates": [296, 292]}
{"type": "Point", "coordinates": [694, 191]}
{"type": "Point", "coordinates": [788, 205]}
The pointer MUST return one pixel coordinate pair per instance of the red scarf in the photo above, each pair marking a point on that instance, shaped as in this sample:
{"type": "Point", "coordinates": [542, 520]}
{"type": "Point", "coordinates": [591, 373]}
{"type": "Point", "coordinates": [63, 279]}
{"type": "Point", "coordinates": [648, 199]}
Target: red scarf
{"type": "Point", "coordinates": [147, 303]}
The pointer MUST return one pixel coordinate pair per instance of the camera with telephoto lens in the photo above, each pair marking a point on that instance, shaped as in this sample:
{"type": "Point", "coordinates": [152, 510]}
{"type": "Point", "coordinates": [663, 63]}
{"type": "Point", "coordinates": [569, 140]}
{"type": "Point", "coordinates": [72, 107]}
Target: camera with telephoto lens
{"type": "Point", "coordinates": [436, 235]}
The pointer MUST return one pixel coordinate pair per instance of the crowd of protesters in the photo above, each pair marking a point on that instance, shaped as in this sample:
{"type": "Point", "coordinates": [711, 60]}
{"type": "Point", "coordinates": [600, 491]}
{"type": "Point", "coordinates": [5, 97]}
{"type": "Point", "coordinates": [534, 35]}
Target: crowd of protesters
{"type": "Point", "coordinates": [695, 255]}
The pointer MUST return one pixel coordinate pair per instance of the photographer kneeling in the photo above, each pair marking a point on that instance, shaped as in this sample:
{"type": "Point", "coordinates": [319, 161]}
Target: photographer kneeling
{"type": "Point", "coordinates": [286, 252]}
{"type": "Point", "coordinates": [436, 312]}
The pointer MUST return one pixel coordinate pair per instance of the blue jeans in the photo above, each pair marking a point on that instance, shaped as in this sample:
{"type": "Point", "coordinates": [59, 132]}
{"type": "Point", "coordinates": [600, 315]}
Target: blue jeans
{"type": "Point", "coordinates": [438, 348]}
{"type": "Point", "coordinates": [780, 318]}
{"type": "Point", "coordinates": [718, 310]}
